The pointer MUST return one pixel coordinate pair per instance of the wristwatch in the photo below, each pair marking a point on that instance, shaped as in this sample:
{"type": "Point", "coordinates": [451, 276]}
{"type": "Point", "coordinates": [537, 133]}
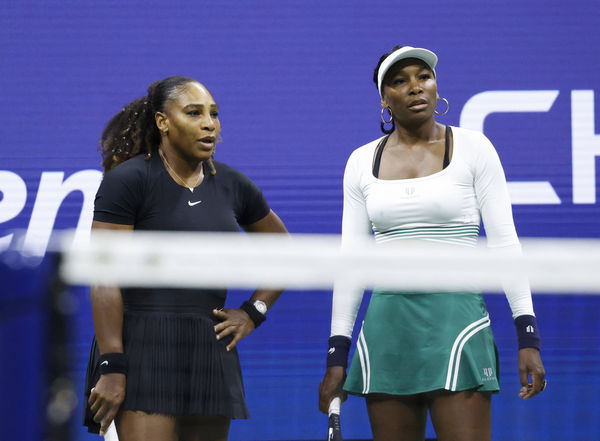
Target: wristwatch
{"type": "Point", "coordinates": [260, 306]}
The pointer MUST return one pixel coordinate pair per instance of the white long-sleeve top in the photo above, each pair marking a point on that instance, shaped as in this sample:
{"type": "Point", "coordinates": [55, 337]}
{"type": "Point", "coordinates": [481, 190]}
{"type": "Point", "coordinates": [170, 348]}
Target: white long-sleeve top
{"type": "Point", "coordinates": [444, 207]}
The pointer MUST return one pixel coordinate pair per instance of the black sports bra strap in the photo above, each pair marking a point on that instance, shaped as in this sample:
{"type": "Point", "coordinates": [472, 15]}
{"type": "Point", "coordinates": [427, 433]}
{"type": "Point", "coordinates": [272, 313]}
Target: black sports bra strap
{"type": "Point", "coordinates": [447, 148]}
{"type": "Point", "coordinates": [383, 142]}
{"type": "Point", "coordinates": [378, 153]}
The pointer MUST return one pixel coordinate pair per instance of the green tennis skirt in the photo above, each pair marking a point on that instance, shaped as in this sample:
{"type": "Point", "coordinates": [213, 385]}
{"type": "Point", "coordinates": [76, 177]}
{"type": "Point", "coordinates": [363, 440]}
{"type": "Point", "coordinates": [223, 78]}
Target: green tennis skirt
{"type": "Point", "coordinates": [415, 343]}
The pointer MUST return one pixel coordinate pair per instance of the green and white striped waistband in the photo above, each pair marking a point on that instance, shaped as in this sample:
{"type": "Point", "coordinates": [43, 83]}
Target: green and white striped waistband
{"type": "Point", "coordinates": [465, 234]}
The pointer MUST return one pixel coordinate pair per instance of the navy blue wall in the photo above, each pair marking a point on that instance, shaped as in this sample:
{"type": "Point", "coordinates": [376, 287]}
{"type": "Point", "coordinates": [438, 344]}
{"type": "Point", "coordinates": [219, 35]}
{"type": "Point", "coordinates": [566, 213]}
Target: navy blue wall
{"type": "Point", "coordinates": [293, 80]}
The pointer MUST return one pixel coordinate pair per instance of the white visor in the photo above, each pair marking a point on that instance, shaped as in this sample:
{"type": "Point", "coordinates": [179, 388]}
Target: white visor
{"type": "Point", "coordinates": [405, 52]}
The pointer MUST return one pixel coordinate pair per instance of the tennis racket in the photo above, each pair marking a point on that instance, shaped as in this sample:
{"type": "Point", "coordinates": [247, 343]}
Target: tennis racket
{"type": "Point", "coordinates": [334, 432]}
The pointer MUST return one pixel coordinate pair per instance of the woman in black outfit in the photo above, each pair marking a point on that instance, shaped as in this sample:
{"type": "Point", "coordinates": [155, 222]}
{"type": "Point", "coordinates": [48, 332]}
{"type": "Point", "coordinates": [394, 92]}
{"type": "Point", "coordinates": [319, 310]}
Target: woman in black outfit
{"type": "Point", "coordinates": [164, 364]}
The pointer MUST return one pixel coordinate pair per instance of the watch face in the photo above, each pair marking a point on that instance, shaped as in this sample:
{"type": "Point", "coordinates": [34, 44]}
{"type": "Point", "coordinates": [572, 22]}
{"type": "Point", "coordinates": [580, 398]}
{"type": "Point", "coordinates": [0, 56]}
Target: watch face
{"type": "Point", "coordinates": [260, 306]}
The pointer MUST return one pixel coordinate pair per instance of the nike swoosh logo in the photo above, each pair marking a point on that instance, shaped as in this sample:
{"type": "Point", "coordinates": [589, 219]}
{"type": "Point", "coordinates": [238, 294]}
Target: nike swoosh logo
{"type": "Point", "coordinates": [104, 363]}
{"type": "Point", "coordinates": [191, 204]}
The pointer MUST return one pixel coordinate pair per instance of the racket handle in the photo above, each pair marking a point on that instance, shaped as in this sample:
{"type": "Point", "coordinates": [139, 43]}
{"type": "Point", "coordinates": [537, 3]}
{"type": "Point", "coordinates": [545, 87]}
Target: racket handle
{"type": "Point", "coordinates": [334, 406]}
{"type": "Point", "coordinates": [334, 432]}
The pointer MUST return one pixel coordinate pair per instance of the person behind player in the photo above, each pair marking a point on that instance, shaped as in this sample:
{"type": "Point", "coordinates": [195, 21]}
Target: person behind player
{"type": "Point", "coordinates": [420, 352]}
{"type": "Point", "coordinates": [164, 364]}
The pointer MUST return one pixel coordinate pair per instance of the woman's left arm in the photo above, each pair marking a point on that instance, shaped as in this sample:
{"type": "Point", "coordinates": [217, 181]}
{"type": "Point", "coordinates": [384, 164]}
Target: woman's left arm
{"type": "Point", "coordinates": [496, 211]}
{"type": "Point", "coordinates": [241, 322]}
{"type": "Point", "coordinates": [271, 223]}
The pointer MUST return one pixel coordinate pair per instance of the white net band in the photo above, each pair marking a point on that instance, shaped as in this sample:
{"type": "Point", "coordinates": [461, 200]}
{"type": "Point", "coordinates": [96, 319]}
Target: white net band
{"type": "Point", "coordinates": [233, 260]}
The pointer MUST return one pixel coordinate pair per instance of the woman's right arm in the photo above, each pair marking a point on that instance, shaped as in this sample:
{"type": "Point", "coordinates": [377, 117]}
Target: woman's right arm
{"type": "Point", "coordinates": [107, 310]}
{"type": "Point", "coordinates": [347, 296]}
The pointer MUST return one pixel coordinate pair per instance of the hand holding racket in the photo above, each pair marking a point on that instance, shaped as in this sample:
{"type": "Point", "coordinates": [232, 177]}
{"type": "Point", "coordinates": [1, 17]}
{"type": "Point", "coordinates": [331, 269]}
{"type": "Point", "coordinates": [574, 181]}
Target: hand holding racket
{"type": "Point", "coordinates": [334, 432]}
{"type": "Point", "coordinates": [331, 395]}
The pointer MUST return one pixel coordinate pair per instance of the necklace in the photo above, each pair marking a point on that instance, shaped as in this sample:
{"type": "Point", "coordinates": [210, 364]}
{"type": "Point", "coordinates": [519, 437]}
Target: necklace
{"type": "Point", "coordinates": [179, 178]}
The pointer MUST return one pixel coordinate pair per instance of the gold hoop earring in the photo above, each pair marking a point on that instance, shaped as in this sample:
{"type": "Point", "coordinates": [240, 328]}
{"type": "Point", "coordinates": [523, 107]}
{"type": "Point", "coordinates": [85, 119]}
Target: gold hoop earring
{"type": "Point", "coordinates": [383, 109]}
{"type": "Point", "coordinates": [447, 107]}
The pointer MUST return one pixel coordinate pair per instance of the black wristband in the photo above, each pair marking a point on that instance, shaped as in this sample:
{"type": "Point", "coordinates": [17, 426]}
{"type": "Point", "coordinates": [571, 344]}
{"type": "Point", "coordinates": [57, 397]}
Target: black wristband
{"type": "Point", "coordinates": [255, 315]}
{"type": "Point", "coordinates": [527, 332]}
{"type": "Point", "coordinates": [337, 355]}
{"type": "Point", "coordinates": [113, 363]}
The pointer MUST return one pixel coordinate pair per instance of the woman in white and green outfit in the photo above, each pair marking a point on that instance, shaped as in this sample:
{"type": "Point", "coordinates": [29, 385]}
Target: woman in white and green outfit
{"type": "Point", "coordinates": [420, 352]}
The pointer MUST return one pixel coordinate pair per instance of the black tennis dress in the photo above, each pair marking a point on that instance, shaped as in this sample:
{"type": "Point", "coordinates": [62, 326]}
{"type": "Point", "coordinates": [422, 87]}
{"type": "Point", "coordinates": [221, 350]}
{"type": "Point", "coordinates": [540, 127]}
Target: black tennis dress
{"type": "Point", "coordinates": [176, 365]}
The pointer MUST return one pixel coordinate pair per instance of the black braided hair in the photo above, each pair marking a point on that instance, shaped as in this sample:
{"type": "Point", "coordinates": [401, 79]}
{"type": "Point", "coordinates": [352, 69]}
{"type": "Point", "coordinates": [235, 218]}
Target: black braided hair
{"type": "Point", "coordinates": [375, 72]}
{"type": "Point", "coordinates": [133, 130]}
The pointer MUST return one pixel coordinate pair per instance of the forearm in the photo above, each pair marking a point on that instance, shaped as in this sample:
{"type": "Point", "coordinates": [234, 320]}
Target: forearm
{"type": "Point", "coordinates": [346, 301]}
{"type": "Point", "coordinates": [269, 296]}
{"type": "Point", "coordinates": [518, 294]}
{"type": "Point", "coordinates": [515, 285]}
{"type": "Point", "coordinates": [107, 305]}
{"type": "Point", "coordinates": [271, 223]}
{"type": "Point", "coordinates": [107, 310]}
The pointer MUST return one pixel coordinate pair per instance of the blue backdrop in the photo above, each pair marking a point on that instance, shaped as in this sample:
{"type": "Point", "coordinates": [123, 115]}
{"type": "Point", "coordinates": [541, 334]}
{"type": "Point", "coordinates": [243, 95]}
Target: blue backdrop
{"type": "Point", "coordinates": [293, 81]}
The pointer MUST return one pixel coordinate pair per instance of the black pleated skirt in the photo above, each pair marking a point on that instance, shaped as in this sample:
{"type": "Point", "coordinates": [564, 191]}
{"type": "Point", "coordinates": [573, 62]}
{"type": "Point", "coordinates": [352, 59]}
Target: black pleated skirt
{"type": "Point", "coordinates": [176, 366]}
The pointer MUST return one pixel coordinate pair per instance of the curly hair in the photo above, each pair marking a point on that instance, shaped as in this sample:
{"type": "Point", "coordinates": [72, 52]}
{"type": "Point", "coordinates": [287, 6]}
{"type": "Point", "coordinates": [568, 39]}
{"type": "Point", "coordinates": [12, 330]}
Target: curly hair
{"type": "Point", "coordinates": [133, 130]}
